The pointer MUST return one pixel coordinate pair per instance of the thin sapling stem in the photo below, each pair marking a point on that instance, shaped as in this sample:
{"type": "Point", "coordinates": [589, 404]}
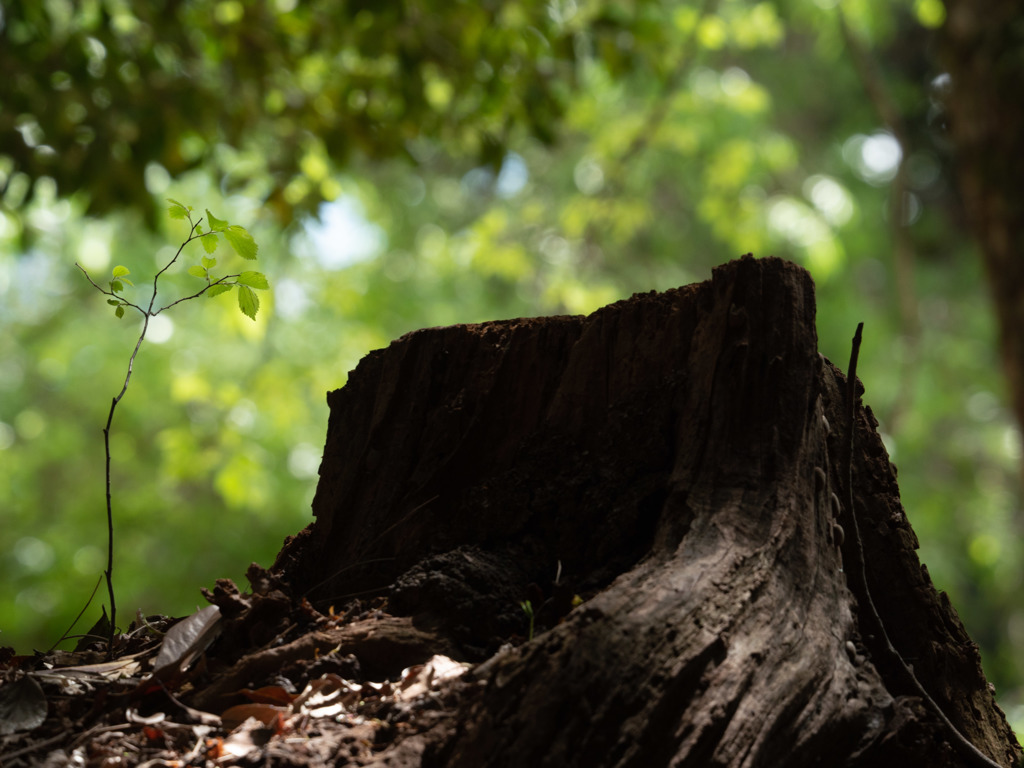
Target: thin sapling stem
{"type": "Point", "coordinates": [243, 244]}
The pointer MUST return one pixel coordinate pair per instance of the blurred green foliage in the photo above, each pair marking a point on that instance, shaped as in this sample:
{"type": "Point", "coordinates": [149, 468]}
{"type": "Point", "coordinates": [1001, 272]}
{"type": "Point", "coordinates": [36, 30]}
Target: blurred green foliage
{"type": "Point", "coordinates": [423, 163]}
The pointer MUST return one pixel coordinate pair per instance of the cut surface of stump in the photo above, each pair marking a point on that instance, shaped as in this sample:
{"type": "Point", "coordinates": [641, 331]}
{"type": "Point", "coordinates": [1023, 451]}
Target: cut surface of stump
{"type": "Point", "coordinates": [660, 485]}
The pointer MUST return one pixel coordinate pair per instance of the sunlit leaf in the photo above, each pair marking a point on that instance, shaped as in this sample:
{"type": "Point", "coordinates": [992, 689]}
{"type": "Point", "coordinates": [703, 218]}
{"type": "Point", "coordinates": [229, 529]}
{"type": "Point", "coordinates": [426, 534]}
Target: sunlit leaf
{"type": "Point", "coordinates": [197, 271]}
{"type": "Point", "coordinates": [215, 223]}
{"type": "Point", "coordinates": [248, 301]}
{"type": "Point", "coordinates": [712, 32]}
{"type": "Point", "coordinates": [254, 280]}
{"type": "Point", "coordinates": [176, 210]}
{"type": "Point", "coordinates": [241, 241]}
{"type": "Point", "coordinates": [120, 271]}
{"type": "Point", "coordinates": [931, 13]}
{"type": "Point", "coordinates": [217, 290]}
{"type": "Point", "coordinates": [210, 242]}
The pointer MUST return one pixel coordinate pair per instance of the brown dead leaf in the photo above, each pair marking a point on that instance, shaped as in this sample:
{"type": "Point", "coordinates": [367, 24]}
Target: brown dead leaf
{"type": "Point", "coordinates": [422, 678]}
{"type": "Point", "coordinates": [267, 714]}
{"type": "Point", "coordinates": [269, 694]}
{"type": "Point", "coordinates": [327, 696]}
{"type": "Point", "coordinates": [187, 639]}
{"type": "Point", "coordinates": [22, 705]}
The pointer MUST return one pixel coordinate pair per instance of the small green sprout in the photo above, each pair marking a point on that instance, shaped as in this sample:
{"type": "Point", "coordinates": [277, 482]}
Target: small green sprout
{"type": "Point", "coordinates": [527, 607]}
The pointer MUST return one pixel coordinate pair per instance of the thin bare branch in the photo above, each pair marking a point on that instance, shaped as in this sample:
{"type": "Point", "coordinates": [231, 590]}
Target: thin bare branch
{"type": "Point", "coordinates": [219, 281]}
{"type": "Point", "coordinates": [104, 291]}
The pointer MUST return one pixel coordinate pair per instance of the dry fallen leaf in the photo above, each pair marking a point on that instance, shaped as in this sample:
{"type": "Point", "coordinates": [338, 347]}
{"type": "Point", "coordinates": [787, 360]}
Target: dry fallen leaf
{"type": "Point", "coordinates": [327, 696]}
{"type": "Point", "coordinates": [187, 639]}
{"type": "Point", "coordinates": [267, 714]}
{"type": "Point", "coordinates": [22, 706]}
{"type": "Point", "coordinates": [421, 678]}
{"type": "Point", "coordinates": [269, 694]}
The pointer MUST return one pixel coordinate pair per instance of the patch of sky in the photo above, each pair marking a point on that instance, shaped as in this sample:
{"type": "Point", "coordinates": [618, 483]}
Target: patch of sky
{"type": "Point", "coordinates": [342, 236]}
{"type": "Point", "coordinates": [830, 198]}
{"type": "Point", "coordinates": [513, 176]}
{"type": "Point", "coordinates": [291, 298]}
{"type": "Point", "coordinates": [28, 285]}
{"type": "Point", "coordinates": [509, 182]}
{"type": "Point", "coordinates": [874, 158]}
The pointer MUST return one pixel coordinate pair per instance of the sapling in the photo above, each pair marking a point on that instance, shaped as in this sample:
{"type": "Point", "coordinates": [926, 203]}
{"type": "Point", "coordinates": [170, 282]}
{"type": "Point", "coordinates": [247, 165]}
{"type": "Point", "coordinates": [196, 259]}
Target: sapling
{"type": "Point", "coordinates": [242, 243]}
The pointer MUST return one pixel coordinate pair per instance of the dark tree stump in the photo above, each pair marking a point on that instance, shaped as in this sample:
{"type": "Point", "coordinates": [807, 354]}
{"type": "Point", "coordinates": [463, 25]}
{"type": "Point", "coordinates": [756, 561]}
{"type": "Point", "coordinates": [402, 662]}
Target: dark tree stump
{"type": "Point", "coordinates": [670, 460]}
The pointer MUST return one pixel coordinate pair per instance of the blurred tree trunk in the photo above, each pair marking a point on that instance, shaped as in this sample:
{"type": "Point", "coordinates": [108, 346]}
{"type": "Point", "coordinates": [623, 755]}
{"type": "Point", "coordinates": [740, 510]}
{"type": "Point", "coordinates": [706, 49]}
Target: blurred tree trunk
{"type": "Point", "coordinates": [675, 462]}
{"type": "Point", "coordinates": [983, 48]}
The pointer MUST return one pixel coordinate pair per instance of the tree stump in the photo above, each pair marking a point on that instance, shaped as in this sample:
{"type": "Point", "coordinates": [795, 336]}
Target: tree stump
{"type": "Point", "coordinates": [662, 480]}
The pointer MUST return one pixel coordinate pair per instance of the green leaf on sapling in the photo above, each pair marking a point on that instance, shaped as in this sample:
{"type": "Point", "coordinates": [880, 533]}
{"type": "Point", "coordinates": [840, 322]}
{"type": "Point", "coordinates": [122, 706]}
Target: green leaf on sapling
{"type": "Point", "coordinates": [248, 301]}
{"type": "Point", "coordinates": [218, 289]}
{"type": "Point", "coordinates": [176, 210]}
{"type": "Point", "coordinates": [241, 241]}
{"type": "Point", "coordinates": [197, 271]}
{"type": "Point", "coordinates": [215, 223]}
{"type": "Point", "coordinates": [210, 242]}
{"type": "Point", "coordinates": [117, 284]}
{"type": "Point", "coordinates": [209, 263]}
{"type": "Point", "coordinates": [119, 311]}
{"type": "Point", "coordinates": [254, 280]}
{"type": "Point", "coordinates": [114, 302]}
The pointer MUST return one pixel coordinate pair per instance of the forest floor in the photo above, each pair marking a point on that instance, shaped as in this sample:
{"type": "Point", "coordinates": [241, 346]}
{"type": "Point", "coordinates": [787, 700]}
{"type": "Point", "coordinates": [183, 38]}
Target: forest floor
{"type": "Point", "coordinates": [254, 679]}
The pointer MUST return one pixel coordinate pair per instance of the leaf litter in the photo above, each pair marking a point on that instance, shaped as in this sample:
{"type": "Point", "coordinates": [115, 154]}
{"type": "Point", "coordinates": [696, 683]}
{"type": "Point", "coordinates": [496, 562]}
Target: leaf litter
{"type": "Point", "coordinates": [169, 694]}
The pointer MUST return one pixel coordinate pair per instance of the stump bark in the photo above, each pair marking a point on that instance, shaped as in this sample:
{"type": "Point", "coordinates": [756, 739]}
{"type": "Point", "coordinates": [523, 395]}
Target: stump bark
{"type": "Point", "coordinates": [661, 481]}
